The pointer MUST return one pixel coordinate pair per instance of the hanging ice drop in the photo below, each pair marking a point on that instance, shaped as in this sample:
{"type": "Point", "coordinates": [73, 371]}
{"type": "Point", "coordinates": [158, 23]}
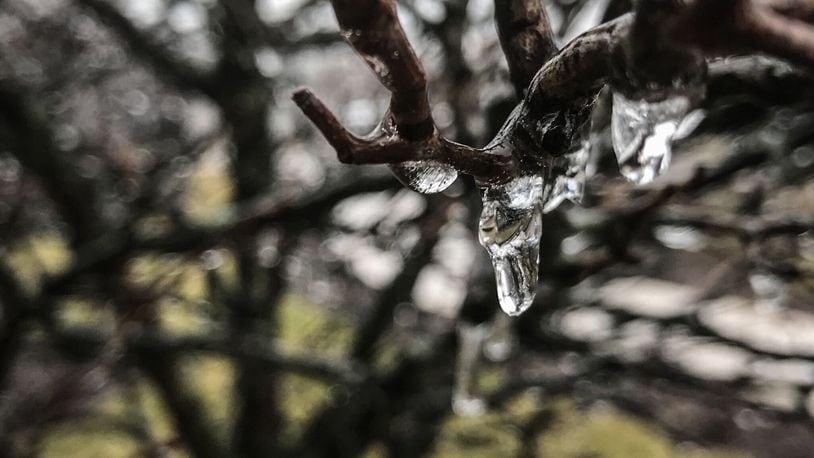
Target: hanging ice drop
{"type": "Point", "coordinates": [509, 228]}
{"type": "Point", "coordinates": [424, 177]}
{"type": "Point", "coordinates": [642, 134]}
{"type": "Point", "coordinates": [571, 183]}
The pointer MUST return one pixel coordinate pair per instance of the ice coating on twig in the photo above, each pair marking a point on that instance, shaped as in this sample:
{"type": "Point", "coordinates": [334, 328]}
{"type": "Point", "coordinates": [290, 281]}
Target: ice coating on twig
{"type": "Point", "coordinates": [509, 228]}
{"type": "Point", "coordinates": [571, 183]}
{"type": "Point", "coordinates": [643, 132]}
{"type": "Point", "coordinates": [424, 176]}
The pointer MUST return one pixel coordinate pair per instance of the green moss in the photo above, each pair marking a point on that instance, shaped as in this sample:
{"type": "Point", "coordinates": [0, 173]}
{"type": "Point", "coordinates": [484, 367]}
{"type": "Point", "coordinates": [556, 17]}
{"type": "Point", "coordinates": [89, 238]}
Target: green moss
{"type": "Point", "coordinates": [85, 313]}
{"type": "Point", "coordinates": [211, 379]}
{"type": "Point", "coordinates": [482, 436]}
{"type": "Point", "coordinates": [610, 434]}
{"type": "Point", "coordinates": [388, 353]}
{"type": "Point", "coordinates": [573, 434]}
{"type": "Point", "coordinates": [300, 398]}
{"type": "Point", "coordinates": [87, 439]}
{"type": "Point", "coordinates": [36, 256]}
{"type": "Point", "coordinates": [209, 189]}
{"type": "Point", "coordinates": [490, 376]}
{"type": "Point", "coordinates": [375, 450]}
{"type": "Point", "coordinates": [304, 325]}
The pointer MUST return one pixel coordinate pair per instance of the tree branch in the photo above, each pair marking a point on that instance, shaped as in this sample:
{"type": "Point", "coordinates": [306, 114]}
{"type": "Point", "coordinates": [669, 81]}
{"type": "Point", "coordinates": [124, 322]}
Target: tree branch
{"type": "Point", "coordinates": [407, 132]}
{"type": "Point", "coordinates": [663, 43]}
{"type": "Point", "coordinates": [526, 39]}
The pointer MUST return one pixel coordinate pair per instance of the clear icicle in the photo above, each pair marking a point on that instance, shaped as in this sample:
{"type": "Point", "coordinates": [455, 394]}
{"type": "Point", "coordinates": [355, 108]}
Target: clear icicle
{"type": "Point", "coordinates": [465, 401]}
{"type": "Point", "coordinates": [424, 177]}
{"type": "Point", "coordinates": [643, 132]}
{"type": "Point", "coordinates": [510, 227]}
{"type": "Point", "coordinates": [571, 184]}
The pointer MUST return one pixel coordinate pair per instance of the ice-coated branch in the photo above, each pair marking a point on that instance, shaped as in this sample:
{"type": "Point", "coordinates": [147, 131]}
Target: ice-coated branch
{"type": "Point", "coordinates": [373, 29]}
{"type": "Point", "coordinates": [387, 146]}
{"type": "Point", "coordinates": [526, 38]}
{"type": "Point", "coordinates": [407, 132]}
{"type": "Point", "coordinates": [653, 59]}
{"type": "Point", "coordinates": [664, 42]}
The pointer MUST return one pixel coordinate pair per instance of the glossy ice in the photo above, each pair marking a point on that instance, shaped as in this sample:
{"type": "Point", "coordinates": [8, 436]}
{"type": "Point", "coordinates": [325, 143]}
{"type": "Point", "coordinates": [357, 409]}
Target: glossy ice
{"type": "Point", "coordinates": [509, 228]}
{"type": "Point", "coordinates": [424, 177]}
{"type": "Point", "coordinates": [570, 184]}
{"type": "Point", "coordinates": [643, 132]}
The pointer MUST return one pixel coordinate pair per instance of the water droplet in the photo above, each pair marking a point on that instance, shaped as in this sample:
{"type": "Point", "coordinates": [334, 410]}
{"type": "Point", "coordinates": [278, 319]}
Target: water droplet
{"type": "Point", "coordinates": [643, 132]}
{"type": "Point", "coordinates": [424, 177]}
{"type": "Point", "coordinates": [510, 227]}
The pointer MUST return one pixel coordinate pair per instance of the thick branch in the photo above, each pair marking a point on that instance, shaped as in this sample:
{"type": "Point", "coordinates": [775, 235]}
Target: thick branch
{"type": "Point", "coordinates": [525, 37]}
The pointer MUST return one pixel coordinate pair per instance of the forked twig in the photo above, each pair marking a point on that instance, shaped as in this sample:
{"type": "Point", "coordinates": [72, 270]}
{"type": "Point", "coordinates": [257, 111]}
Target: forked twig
{"type": "Point", "coordinates": [664, 42]}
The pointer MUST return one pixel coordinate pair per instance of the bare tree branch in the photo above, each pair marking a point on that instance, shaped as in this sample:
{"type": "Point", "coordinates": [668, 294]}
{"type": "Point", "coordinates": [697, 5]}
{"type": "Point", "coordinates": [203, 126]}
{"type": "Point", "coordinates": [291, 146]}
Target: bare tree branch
{"type": "Point", "coordinates": [526, 39]}
{"type": "Point", "coordinates": [664, 43]}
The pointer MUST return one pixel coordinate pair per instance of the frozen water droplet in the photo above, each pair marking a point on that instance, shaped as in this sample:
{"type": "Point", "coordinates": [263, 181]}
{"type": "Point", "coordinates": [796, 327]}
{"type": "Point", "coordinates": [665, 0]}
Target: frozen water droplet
{"type": "Point", "coordinates": [465, 401]}
{"type": "Point", "coordinates": [510, 227]}
{"type": "Point", "coordinates": [571, 184]}
{"type": "Point", "coordinates": [643, 132]}
{"type": "Point", "coordinates": [424, 177]}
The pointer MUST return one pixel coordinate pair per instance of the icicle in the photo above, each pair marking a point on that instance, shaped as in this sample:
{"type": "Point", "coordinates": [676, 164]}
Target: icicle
{"type": "Point", "coordinates": [509, 228]}
{"type": "Point", "coordinates": [424, 177]}
{"type": "Point", "coordinates": [643, 132]}
{"type": "Point", "coordinates": [464, 398]}
{"type": "Point", "coordinates": [571, 184]}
